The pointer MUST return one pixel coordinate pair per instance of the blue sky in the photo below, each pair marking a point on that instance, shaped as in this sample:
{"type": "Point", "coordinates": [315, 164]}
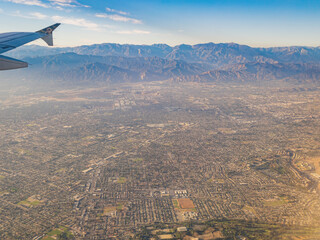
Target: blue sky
{"type": "Point", "coordinates": [262, 23]}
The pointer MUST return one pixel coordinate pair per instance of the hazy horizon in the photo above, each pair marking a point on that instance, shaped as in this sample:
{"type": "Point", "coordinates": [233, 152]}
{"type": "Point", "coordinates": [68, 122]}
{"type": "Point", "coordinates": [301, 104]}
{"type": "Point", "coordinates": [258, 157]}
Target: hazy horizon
{"type": "Point", "coordinates": [41, 44]}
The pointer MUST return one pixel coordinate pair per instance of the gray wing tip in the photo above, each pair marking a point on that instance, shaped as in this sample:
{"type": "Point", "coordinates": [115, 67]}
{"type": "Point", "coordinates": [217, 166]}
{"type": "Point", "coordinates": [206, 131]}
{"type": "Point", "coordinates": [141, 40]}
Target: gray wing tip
{"type": "Point", "coordinates": [50, 29]}
{"type": "Point", "coordinates": [47, 33]}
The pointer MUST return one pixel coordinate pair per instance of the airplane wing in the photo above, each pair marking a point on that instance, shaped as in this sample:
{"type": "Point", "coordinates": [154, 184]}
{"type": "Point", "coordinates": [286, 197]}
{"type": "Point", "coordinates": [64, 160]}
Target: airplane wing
{"type": "Point", "coordinates": [12, 40]}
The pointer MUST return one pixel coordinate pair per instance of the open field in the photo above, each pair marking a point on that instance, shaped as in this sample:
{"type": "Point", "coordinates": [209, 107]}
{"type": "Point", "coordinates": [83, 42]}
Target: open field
{"type": "Point", "coordinates": [186, 203]}
{"type": "Point", "coordinates": [57, 233]}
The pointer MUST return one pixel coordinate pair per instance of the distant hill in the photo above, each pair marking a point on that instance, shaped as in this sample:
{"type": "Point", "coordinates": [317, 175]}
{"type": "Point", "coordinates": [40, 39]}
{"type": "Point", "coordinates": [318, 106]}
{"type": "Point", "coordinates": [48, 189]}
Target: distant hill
{"type": "Point", "coordinates": [222, 62]}
{"type": "Point", "coordinates": [75, 67]}
{"type": "Point", "coordinates": [211, 53]}
{"type": "Point", "coordinates": [254, 72]}
{"type": "Point", "coordinates": [99, 72]}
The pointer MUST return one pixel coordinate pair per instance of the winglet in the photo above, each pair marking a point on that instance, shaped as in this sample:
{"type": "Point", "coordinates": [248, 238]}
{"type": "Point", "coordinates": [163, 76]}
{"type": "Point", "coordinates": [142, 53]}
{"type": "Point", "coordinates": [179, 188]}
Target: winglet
{"type": "Point", "coordinates": [48, 33]}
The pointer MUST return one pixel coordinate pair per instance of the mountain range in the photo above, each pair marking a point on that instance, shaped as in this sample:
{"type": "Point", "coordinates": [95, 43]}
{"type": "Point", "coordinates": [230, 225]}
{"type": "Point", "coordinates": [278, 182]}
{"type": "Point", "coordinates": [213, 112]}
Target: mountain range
{"type": "Point", "coordinates": [224, 62]}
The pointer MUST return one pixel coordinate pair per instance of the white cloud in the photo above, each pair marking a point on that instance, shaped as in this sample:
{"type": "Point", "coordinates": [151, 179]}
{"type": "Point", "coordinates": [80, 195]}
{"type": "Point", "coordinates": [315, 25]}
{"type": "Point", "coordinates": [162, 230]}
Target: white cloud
{"type": "Point", "coordinates": [30, 2]}
{"type": "Point", "coordinates": [119, 18]}
{"type": "Point", "coordinates": [116, 11]}
{"type": "Point", "coordinates": [62, 3]}
{"type": "Point", "coordinates": [38, 15]}
{"type": "Point", "coordinates": [67, 3]}
{"type": "Point", "coordinates": [133, 32]}
{"type": "Point", "coordinates": [58, 4]}
{"type": "Point", "coordinates": [34, 15]}
{"type": "Point", "coordinates": [80, 22]}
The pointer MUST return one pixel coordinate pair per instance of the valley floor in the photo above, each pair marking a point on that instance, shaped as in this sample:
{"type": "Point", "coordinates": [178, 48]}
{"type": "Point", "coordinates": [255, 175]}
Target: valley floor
{"type": "Point", "coordinates": [106, 162]}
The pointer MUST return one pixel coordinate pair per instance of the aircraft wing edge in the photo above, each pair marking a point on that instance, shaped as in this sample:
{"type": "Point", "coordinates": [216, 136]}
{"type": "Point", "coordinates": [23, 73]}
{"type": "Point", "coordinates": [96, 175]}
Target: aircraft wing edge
{"type": "Point", "coordinates": [16, 39]}
{"type": "Point", "coordinates": [7, 63]}
{"type": "Point", "coordinates": [47, 32]}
